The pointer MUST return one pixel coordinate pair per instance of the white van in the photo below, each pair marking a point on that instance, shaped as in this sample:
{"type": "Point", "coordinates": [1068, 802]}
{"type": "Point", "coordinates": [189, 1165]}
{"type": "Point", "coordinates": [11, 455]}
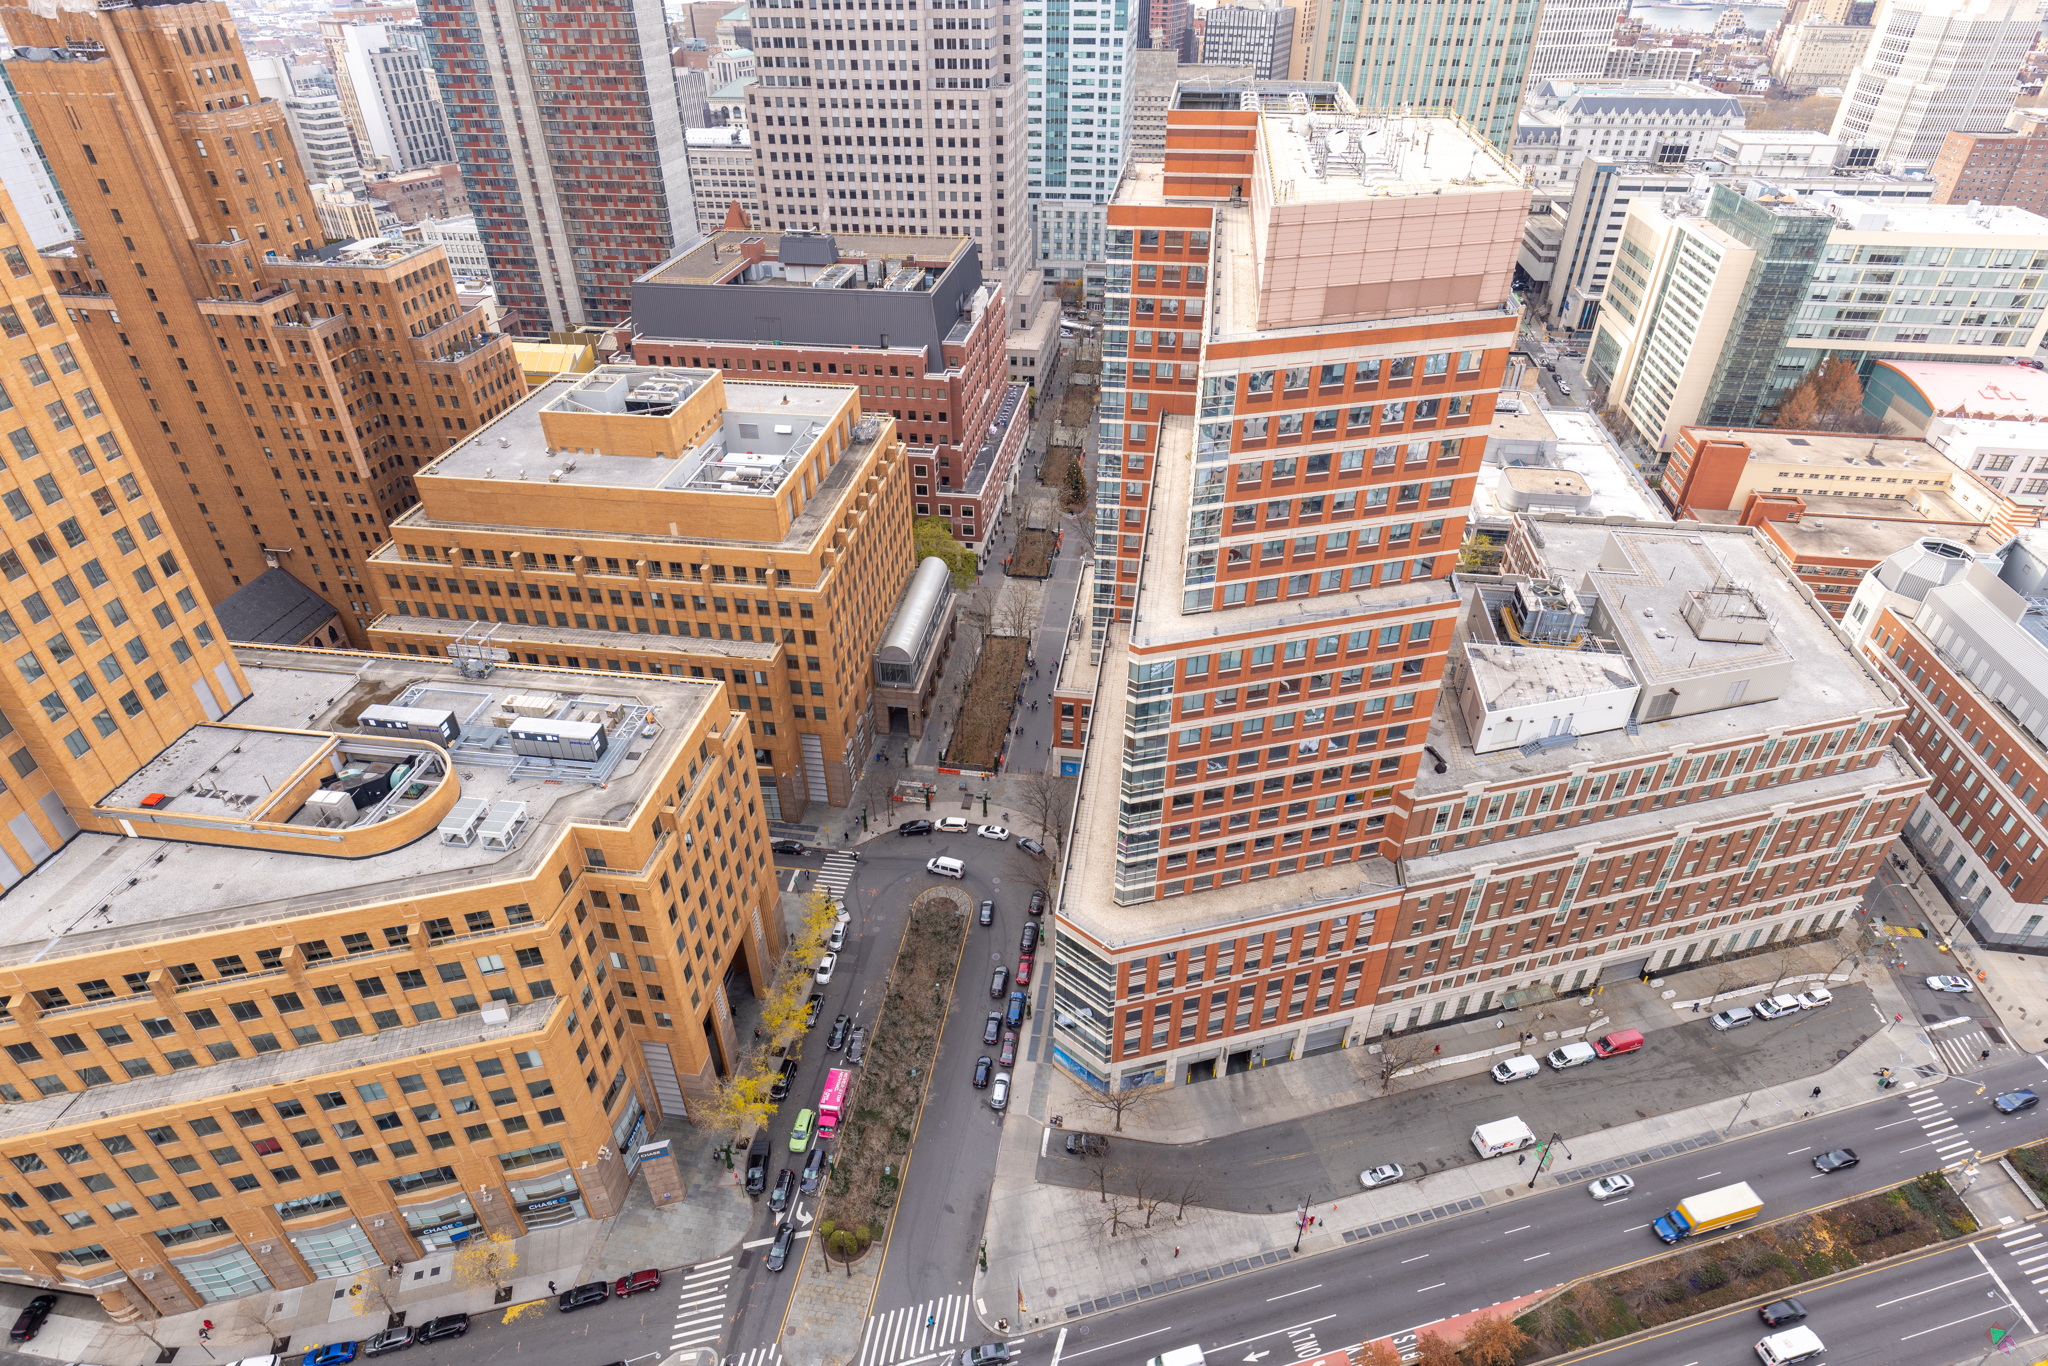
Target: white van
{"type": "Point", "coordinates": [1179, 1356]}
{"type": "Point", "coordinates": [1571, 1055]}
{"type": "Point", "coordinates": [1515, 1068]}
{"type": "Point", "coordinates": [946, 867]}
{"type": "Point", "coordinates": [1502, 1136]}
{"type": "Point", "coordinates": [1794, 1344]}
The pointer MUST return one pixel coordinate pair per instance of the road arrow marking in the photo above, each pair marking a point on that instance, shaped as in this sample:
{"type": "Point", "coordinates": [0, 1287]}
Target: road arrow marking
{"type": "Point", "coordinates": [1256, 1355]}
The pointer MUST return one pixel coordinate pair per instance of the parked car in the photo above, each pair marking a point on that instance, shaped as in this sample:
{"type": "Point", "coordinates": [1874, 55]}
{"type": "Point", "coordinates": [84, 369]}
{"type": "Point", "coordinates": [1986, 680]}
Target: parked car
{"type": "Point", "coordinates": [1008, 1057]}
{"type": "Point", "coordinates": [1959, 984]}
{"type": "Point", "coordinates": [994, 1027]}
{"type": "Point", "coordinates": [778, 1251]}
{"type": "Point", "coordinates": [999, 1094]}
{"type": "Point", "coordinates": [814, 1170]}
{"type": "Point", "coordinates": [582, 1296]}
{"type": "Point", "coordinates": [950, 825]}
{"type": "Point", "coordinates": [1781, 1311]}
{"type": "Point", "coordinates": [1086, 1145]}
{"type": "Point", "coordinates": [30, 1322]}
{"type": "Point", "coordinates": [1374, 1177]}
{"type": "Point", "coordinates": [813, 1008]}
{"type": "Point", "coordinates": [1607, 1187]}
{"type": "Point", "coordinates": [1774, 1007]}
{"type": "Point", "coordinates": [784, 1075]}
{"type": "Point", "coordinates": [757, 1165]}
{"type": "Point", "coordinates": [857, 1045]}
{"type": "Point", "coordinates": [1836, 1160]}
{"type": "Point", "coordinates": [988, 912]}
{"type": "Point", "coordinates": [633, 1282]}
{"type": "Point", "coordinates": [785, 1187]}
{"type": "Point", "coordinates": [1815, 998]}
{"type": "Point", "coordinates": [1014, 1016]}
{"type": "Point", "coordinates": [333, 1354]}
{"type": "Point", "coordinates": [2012, 1102]}
{"type": "Point", "coordinates": [1732, 1018]}
{"type": "Point", "coordinates": [992, 832]}
{"type": "Point", "coordinates": [998, 983]}
{"type": "Point", "coordinates": [841, 1027]}
{"type": "Point", "coordinates": [988, 1354]}
{"type": "Point", "coordinates": [1038, 901]}
{"type": "Point", "coordinates": [445, 1326]}
{"type": "Point", "coordinates": [787, 847]}
{"type": "Point", "coordinates": [390, 1340]}
{"type": "Point", "coordinates": [837, 939]}
{"type": "Point", "coordinates": [1031, 847]}
{"type": "Point", "coordinates": [823, 972]}
{"type": "Point", "coordinates": [1027, 942]}
{"type": "Point", "coordinates": [800, 1132]}
{"type": "Point", "coordinates": [1024, 961]}
{"type": "Point", "coordinates": [983, 1070]}
{"type": "Point", "coordinates": [917, 827]}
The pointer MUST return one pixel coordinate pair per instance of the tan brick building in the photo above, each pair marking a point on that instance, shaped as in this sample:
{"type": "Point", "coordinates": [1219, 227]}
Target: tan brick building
{"type": "Point", "coordinates": [244, 359]}
{"type": "Point", "coordinates": [657, 520]}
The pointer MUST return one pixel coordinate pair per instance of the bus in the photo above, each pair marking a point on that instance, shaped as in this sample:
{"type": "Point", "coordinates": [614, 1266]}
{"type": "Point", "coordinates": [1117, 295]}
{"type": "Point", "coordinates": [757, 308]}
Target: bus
{"type": "Point", "coordinates": [832, 1104]}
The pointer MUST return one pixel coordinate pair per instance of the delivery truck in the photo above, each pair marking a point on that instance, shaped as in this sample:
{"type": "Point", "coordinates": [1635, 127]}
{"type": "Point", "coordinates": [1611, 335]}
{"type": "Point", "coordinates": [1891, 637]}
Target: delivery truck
{"type": "Point", "coordinates": [1502, 1136]}
{"type": "Point", "coordinates": [1711, 1210]}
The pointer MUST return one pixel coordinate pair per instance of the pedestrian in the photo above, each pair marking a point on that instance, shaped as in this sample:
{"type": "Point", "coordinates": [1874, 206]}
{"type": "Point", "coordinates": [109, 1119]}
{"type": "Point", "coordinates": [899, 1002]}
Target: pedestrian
{"type": "Point", "coordinates": [1985, 1054]}
{"type": "Point", "coordinates": [551, 1287]}
{"type": "Point", "coordinates": [1695, 1007]}
{"type": "Point", "coordinates": [1437, 1050]}
{"type": "Point", "coordinates": [1816, 1093]}
{"type": "Point", "coordinates": [1522, 1159]}
{"type": "Point", "coordinates": [1176, 1252]}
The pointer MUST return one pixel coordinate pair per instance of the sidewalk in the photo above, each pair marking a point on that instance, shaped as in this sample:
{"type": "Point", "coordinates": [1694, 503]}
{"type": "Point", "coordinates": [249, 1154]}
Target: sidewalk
{"type": "Point", "coordinates": [1048, 1242]}
{"type": "Point", "coordinates": [2015, 985]}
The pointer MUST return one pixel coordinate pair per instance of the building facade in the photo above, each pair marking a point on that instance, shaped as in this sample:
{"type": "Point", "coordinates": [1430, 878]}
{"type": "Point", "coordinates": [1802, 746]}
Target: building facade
{"type": "Point", "coordinates": [1260, 37]}
{"type": "Point", "coordinates": [1078, 68]}
{"type": "Point", "coordinates": [2009, 168]}
{"type": "Point", "coordinates": [1650, 62]}
{"type": "Point", "coordinates": [568, 233]}
{"type": "Point", "coordinates": [1572, 38]}
{"type": "Point", "coordinates": [722, 175]}
{"type": "Point", "coordinates": [1468, 61]}
{"type": "Point", "coordinates": [396, 96]}
{"type": "Point", "coordinates": [318, 124]}
{"type": "Point", "coordinates": [1934, 67]}
{"type": "Point", "coordinates": [429, 192]}
{"type": "Point", "coordinates": [1563, 125]}
{"type": "Point", "coordinates": [589, 536]}
{"type": "Point", "coordinates": [1815, 53]}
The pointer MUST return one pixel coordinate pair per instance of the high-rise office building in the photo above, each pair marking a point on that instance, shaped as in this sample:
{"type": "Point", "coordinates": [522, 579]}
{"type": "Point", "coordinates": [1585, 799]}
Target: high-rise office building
{"type": "Point", "coordinates": [1572, 38]}
{"type": "Point", "coordinates": [318, 123]}
{"type": "Point", "coordinates": [1259, 36]}
{"type": "Point", "coordinates": [1078, 65]}
{"type": "Point", "coordinates": [1467, 60]}
{"type": "Point", "coordinates": [288, 388]}
{"type": "Point", "coordinates": [341, 16]}
{"type": "Point", "coordinates": [396, 96]}
{"type": "Point", "coordinates": [1935, 67]}
{"type": "Point", "coordinates": [1334, 802]}
{"type": "Point", "coordinates": [568, 226]}
{"type": "Point", "coordinates": [25, 174]}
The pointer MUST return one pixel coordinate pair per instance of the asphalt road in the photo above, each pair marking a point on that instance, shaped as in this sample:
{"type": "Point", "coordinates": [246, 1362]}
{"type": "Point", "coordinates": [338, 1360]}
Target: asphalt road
{"type": "Point", "coordinates": [1430, 1129]}
{"type": "Point", "coordinates": [1401, 1282]}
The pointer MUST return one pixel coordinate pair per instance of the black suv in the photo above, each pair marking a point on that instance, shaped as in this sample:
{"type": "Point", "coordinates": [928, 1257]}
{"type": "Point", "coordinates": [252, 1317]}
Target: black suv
{"type": "Point", "coordinates": [757, 1166]}
{"type": "Point", "coordinates": [914, 828]}
{"type": "Point", "coordinates": [594, 1292]}
{"type": "Point", "coordinates": [785, 1187]}
{"type": "Point", "coordinates": [31, 1321]}
{"type": "Point", "coordinates": [779, 1088]}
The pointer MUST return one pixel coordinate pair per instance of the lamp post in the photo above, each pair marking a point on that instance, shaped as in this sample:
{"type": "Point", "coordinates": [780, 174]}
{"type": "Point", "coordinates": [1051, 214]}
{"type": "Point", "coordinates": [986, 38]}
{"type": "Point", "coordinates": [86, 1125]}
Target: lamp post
{"type": "Point", "coordinates": [1300, 1221]}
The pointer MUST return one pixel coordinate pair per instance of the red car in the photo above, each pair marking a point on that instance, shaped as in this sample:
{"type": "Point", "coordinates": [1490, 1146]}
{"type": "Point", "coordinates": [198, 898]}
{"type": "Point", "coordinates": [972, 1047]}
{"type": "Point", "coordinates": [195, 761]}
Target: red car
{"type": "Point", "coordinates": [633, 1282]}
{"type": "Point", "coordinates": [1024, 970]}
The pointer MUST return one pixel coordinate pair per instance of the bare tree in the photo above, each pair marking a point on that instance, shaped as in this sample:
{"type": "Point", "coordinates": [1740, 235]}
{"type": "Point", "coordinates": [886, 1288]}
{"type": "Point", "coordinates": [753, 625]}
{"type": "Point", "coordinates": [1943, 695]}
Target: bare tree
{"type": "Point", "coordinates": [975, 605]}
{"type": "Point", "coordinates": [1048, 800]}
{"type": "Point", "coordinates": [1118, 1214]}
{"type": "Point", "coordinates": [1397, 1054]}
{"type": "Point", "coordinates": [1119, 1103]}
{"type": "Point", "coordinates": [1189, 1186]}
{"type": "Point", "coordinates": [1101, 1165]}
{"type": "Point", "coordinates": [1016, 613]}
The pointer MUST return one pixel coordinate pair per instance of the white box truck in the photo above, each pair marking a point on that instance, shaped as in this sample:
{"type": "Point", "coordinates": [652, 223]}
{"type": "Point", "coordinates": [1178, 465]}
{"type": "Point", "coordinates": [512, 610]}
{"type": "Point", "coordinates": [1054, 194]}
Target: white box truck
{"type": "Point", "coordinates": [1179, 1356]}
{"type": "Point", "coordinates": [1502, 1136]}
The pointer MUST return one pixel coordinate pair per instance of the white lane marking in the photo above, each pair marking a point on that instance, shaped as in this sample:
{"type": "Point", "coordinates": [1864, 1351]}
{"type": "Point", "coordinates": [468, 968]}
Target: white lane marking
{"type": "Point", "coordinates": [1438, 1286]}
{"type": "Point", "coordinates": [1292, 1293]}
{"type": "Point", "coordinates": [1406, 1260]}
{"type": "Point", "coordinates": [1518, 1230]}
{"type": "Point", "coordinates": [1537, 1258]}
{"type": "Point", "coordinates": [1121, 1341]}
{"type": "Point", "coordinates": [1961, 1280]}
{"type": "Point", "coordinates": [2000, 1283]}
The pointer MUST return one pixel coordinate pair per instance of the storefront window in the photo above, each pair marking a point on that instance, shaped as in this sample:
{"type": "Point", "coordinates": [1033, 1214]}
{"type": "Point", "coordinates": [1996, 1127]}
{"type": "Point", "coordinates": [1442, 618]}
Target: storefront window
{"type": "Point", "coordinates": [442, 1224]}
{"type": "Point", "coordinates": [224, 1275]}
{"type": "Point", "coordinates": [549, 1201]}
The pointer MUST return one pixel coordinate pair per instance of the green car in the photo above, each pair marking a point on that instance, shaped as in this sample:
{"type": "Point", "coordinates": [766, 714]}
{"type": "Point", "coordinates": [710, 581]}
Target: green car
{"type": "Point", "coordinates": [800, 1136]}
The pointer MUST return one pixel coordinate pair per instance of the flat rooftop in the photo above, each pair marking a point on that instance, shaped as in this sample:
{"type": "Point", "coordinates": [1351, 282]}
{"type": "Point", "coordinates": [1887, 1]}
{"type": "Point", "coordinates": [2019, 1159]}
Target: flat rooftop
{"type": "Point", "coordinates": [1679, 557]}
{"type": "Point", "coordinates": [372, 252]}
{"type": "Point", "coordinates": [103, 891]}
{"type": "Point", "coordinates": [1961, 389]}
{"type": "Point", "coordinates": [1318, 158]}
{"type": "Point", "coordinates": [1939, 220]}
{"type": "Point", "coordinates": [1511, 676]}
{"type": "Point", "coordinates": [1829, 448]}
{"type": "Point", "coordinates": [1847, 535]}
{"type": "Point", "coordinates": [713, 260]}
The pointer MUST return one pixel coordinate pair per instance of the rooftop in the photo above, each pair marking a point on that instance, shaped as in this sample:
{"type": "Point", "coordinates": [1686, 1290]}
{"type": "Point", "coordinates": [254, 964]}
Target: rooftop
{"type": "Point", "coordinates": [1826, 448]}
{"type": "Point", "coordinates": [103, 891]}
{"type": "Point", "coordinates": [376, 253]}
{"type": "Point", "coordinates": [1958, 389]}
{"type": "Point", "coordinates": [273, 609]}
{"type": "Point", "coordinates": [1575, 444]}
{"type": "Point", "coordinates": [1330, 157]}
{"type": "Point", "coordinates": [1919, 219]}
{"type": "Point", "coordinates": [1848, 536]}
{"type": "Point", "coordinates": [796, 259]}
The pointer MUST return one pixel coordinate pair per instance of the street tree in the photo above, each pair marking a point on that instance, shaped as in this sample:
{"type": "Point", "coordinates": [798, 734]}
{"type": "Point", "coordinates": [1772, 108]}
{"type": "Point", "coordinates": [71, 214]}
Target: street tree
{"type": "Point", "coordinates": [1118, 1215]}
{"type": "Point", "coordinates": [1492, 1340]}
{"type": "Point", "coordinates": [1016, 612]}
{"type": "Point", "coordinates": [1378, 1352]}
{"type": "Point", "coordinates": [1435, 1351]}
{"type": "Point", "coordinates": [490, 1260]}
{"type": "Point", "coordinates": [1048, 802]}
{"type": "Point", "coordinates": [1398, 1054]}
{"type": "Point", "coordinates": [1119, 1103]}
{"type": "Point", "coordinates": [1102, 1166]}
{"type": "Point", "coordinates": [934, 536]}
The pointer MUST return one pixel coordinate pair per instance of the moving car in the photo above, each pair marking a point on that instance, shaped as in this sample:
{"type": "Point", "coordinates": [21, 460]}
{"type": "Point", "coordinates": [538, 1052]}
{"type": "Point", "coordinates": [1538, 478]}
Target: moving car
{"type": "Point", "coordinates": [333, 1354]}
{"type": "Point", "coordinates": [983, 1070]}
{"type": "Point", "coordinates": [988, 912]}
{"type": "Point", "coordinates": [445, 1326]}
{"type": "Point", "coordinates": [1607, 1187]}
{"type": "Point", "coordinates": [633, 1282]}
{"type": "Point", "coordinates": [992, 832]}
{"type": "Point", "coordinates": [1781, 1311]}
{"type": "Point", "coordinates": [841, 1027]}
{"type": "Point", "coordinates": [581, 1296]}
{"type": "Point", "coordinates": [785, 1187]}
{"type": "Point", "coordinates": [778, 1251]}
{"type": "Point", "coordinates": [917, 827]}
{"type": "Point", "coordinates": [814, 1170]}
{"type": "Point", "coordinates": [1031, 847]}
{"type": "Point", "coordinates": [1038, 901]}
{"type": "Point", "coordinates": [1024, 970]}
{"type": "Point", "coordinates": [1564, 388]}
{"type": "Point", "coordinates": [999, 1094]}
{"type": "Point", "coordinates": [1373, 1177]}
{"type": "Point", "coordinates": [757, 1165]}
{"type": "Point", "coordinates": [784, 1075]}
{"type": "Point", "coordinates": [390, 1340]}
{"type": "Point", "coordinates": [1815, 998]}
{"type": "Point", "coordinates": [950, 825]}
{"type": "Point", "coordinates": [1836, 1160]}
{"type": "Point", "coordinates": [1961, 984]}
{"type": "Point", "coordinates": [994, 1028]}
{"type": "Point", "coordinates": [30, 1322]}
{"type": "Point", "coordinates": [1009, 1054]}
{"type": "Point", "coordinates": [946, 867]}
{"type": "Point", "coordinates": [998, 983]}
{"type": "Point", "coordinates": [2012, 1102]}
{"type": "Point", "coordinates": [800, 1132]}
{"type": "Point", "coordinates": [988, 1354]}
{"type": "Point", "coordinates": [824, 970]}
{"type": "Point", "coordinates": [787, 847]}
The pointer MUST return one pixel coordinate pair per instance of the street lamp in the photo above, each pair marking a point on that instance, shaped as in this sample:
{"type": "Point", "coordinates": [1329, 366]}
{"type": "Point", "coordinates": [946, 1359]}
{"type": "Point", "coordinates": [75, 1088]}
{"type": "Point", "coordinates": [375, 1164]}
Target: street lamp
{"type": "Point", "coordinates": [1300, 1221]}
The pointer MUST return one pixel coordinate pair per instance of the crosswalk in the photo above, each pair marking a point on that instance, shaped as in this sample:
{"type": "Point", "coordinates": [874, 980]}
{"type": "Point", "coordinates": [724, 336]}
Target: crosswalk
{"type": "Point", "coordinates": [1931, 1110]}
{"type": "Point", "coordinates": [836, 875]}
{"type": "Point", "coordinates": [760, 1356]}
{"type": "Point", "coordinates": [1964, 1052]}
{"type": "Point", "coordinates": [2029, 1252]}
{"type": "Point", "coordinates": [700, 1312]}
{"type": "Point", "coordinates": [915, 1331]}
